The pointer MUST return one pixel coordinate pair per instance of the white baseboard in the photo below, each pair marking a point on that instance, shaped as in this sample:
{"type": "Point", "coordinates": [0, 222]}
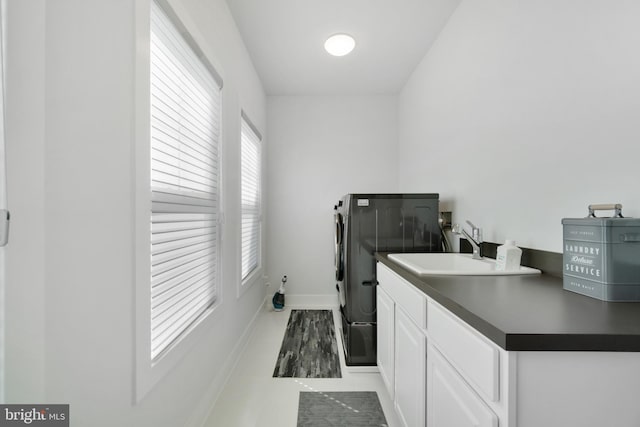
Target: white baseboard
{"type": "Point", "coordinates": [307, 301]}
{"type": "Point", "coordinates": [207, 402]}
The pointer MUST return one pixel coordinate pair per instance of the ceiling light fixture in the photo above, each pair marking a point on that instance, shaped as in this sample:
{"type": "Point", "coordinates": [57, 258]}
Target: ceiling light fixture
{"type": "Point", "coordinates": [339, 44]}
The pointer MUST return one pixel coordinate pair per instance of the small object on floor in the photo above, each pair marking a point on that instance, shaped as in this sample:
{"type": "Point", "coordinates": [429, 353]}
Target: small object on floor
{"type": "Point", "coordinates": [309, 348]}
{"type": "Point", "coordinates": [278, 297]}
{"type": "Point", "coordinates": [348, 409]}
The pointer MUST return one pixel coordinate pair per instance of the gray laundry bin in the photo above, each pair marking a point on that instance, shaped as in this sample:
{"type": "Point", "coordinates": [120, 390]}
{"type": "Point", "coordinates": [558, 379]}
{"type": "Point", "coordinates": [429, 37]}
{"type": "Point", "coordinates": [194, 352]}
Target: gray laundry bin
{"type": "Point", "coordinates": [601, 256]}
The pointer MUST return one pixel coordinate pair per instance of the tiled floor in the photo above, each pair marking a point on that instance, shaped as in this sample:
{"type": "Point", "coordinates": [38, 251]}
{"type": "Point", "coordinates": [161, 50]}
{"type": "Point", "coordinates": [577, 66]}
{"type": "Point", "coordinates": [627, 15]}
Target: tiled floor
{"type": "Point", "coordinates": [253, 398]}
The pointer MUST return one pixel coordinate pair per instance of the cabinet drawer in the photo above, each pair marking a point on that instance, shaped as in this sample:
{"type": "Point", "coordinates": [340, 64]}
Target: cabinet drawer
{"type": "Point", "coordinates": [477, 359]}
{"type": "Point", "coordinates": [412, 301]}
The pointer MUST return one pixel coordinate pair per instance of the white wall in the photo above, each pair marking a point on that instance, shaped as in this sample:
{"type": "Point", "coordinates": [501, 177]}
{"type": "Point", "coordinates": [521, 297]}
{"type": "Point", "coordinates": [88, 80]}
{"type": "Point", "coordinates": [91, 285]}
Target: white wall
{"type": "Point", "coordinates": [525, 112]}
{"type": "Point", "coordinates": [321, 148]}
{"type": "Point", "coordinates": [70, 286]}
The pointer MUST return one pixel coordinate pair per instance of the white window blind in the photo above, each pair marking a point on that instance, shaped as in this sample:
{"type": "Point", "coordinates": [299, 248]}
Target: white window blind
{"type": "Point", "coordinates": [250, 155]}
{"type": "Point", "coordinates": [185, 132]}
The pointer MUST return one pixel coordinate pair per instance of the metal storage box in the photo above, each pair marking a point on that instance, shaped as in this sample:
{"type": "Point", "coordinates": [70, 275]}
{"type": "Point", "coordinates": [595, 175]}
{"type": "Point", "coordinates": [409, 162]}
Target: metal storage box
{"type": "Point", "coordinates": [601, 256]}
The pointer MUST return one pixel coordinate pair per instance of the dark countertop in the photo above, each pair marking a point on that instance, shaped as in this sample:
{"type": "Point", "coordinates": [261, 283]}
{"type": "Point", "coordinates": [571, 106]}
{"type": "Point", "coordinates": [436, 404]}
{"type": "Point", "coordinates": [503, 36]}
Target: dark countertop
{"type": "Point", "coordinates": [532, 313]}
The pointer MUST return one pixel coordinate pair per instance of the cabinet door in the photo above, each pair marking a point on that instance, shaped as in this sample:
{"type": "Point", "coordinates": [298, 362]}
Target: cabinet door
{"type": "Point", "coordinates": [385, 338]}
{"type": "Point", "coordinates": [451, 402]}
{"type": "Point", "coordinates": [410, 371]}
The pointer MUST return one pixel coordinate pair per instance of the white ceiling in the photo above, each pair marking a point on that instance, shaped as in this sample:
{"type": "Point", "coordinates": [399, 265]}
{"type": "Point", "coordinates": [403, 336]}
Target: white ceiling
{"type": "Point", "coordinates": [285, 39]}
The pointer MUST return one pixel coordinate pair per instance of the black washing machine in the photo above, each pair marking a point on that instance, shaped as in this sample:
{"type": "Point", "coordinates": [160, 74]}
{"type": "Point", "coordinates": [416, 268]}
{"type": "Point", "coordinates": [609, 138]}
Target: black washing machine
{"type": "Point", "coordinates": [366, 224]}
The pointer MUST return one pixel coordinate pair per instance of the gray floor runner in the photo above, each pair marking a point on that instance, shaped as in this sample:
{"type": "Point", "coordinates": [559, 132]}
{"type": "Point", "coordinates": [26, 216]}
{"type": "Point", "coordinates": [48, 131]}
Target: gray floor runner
{"type": "Point", "coordinates": [309, 348]}
{"type": "Point", "coordinates": [349, 409]}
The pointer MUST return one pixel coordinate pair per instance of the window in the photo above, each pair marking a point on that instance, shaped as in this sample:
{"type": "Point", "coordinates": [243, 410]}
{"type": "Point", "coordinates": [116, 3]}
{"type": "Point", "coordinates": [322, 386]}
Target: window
{"type": "Point", "coordinates": [250, 162]}
{"type": "Point", "coordinates": [184, 182]}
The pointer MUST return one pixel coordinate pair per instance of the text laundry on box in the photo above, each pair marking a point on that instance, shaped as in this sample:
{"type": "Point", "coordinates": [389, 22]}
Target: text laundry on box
{"type": "Point", "coordinates": [601, 256]}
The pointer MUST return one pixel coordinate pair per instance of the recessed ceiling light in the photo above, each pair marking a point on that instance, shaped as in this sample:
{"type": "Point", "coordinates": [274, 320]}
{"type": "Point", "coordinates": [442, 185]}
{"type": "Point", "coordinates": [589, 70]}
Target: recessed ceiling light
{"type": "Point", "coordinates": [339, 44]}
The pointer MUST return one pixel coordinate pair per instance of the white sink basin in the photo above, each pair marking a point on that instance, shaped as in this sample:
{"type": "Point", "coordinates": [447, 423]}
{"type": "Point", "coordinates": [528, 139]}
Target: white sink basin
{"type": "Point", "coordinates": [449, 264]}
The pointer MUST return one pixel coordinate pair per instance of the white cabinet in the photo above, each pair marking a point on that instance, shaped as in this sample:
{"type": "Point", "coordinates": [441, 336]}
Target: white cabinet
{"type": "Point", "coordinates": [401, 317]}
{"type": "Point", "coordinates": [468, 379]}
{"type": "Point", "coordinates": [404, 294]}
{"type": "Point", "coordinates": [451, 402]}
{"type": "Point", "coordinates": [439, 371]}
{"type": "Point", "coordinates": [386, 339]}
{"type": "Point", "coordinates": [471, 354]}
{"type": "Point", "coordinates": [444, 373]}
{"type": "Point", "coordinates": [410, 367]}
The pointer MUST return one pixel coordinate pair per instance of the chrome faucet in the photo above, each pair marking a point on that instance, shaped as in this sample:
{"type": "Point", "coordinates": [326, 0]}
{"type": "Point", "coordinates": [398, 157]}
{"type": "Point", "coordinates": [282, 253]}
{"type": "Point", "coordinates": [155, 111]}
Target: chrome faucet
{"type": "Point", "coordinates": [475, 238]}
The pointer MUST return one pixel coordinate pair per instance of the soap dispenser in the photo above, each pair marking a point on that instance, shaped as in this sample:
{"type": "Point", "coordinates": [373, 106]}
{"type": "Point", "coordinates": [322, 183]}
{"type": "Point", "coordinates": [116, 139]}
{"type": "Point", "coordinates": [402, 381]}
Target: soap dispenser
{"type": "Point", "coordinates": [508, 256]}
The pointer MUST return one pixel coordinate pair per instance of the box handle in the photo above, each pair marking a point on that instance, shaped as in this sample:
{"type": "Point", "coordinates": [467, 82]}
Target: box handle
{"type": "Point", "coordinates": [606, 207]}
{"type": "Point", "coordinates": [630, 237]}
